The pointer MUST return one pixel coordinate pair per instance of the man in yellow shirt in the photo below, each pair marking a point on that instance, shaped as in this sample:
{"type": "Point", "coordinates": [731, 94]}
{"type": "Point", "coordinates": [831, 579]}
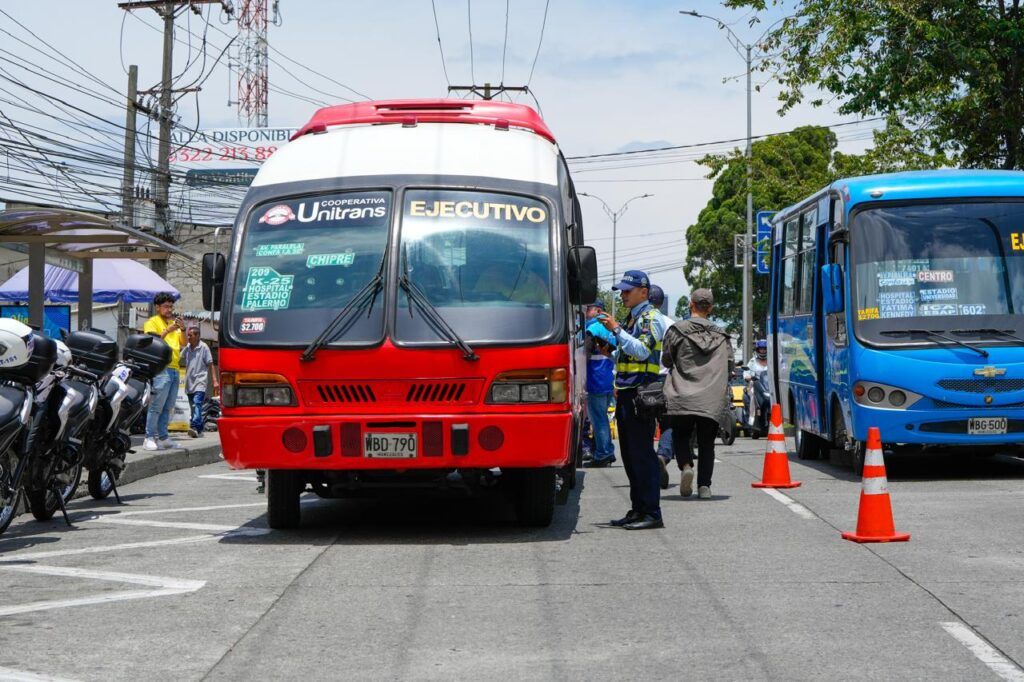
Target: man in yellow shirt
{"type": "Point", "coordinates": [170, 328]}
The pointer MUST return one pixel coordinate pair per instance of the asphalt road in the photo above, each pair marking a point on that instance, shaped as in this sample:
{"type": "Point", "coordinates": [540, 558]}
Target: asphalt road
{"type": "Point", "coordinates": [186, 582]}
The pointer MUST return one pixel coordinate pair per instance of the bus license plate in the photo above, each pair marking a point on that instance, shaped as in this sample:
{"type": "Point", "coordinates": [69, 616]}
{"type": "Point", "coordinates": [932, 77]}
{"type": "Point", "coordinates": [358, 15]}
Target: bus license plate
{"type": "Point", "coordinates": [983, 426]}
{"type": "Point", "coordinates": [390, 445]}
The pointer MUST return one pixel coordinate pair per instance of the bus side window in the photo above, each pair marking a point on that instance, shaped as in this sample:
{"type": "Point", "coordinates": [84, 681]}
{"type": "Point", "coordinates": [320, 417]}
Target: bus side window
{"type": "Point", "coordinates": [791, 242]}
{"type": "Point", "coordinates": [808, 262]}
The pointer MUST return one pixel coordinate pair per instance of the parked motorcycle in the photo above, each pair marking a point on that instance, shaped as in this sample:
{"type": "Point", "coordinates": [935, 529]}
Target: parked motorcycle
{"type": "Point", "coordinates": [124, 396]}
{"type": "Point", "coordinates": [65, 401]}
{"type": "Point", "coordinates": [25, 358]}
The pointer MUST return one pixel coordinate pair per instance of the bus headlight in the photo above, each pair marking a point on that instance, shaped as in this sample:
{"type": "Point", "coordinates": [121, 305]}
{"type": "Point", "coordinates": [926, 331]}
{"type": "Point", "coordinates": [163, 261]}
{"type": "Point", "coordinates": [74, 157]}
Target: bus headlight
{"type": "Point", "coordinates": [530, 386]}
{"type": "Point", "coordinates": [255, 389]}
{"type": "Point", "coordinates": [882, 396]}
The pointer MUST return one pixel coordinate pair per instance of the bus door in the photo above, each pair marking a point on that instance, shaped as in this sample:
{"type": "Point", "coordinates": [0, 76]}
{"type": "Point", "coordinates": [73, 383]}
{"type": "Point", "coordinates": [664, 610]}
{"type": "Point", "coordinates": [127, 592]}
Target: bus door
{"type": "Point", "coordinates": [774, 303]}
{"type": "Point", "coordinates": [818, 403]}
{"type": "Point", "coordinates": [800, 339]}
{"type": "Point", "coordinates": [835, 339]}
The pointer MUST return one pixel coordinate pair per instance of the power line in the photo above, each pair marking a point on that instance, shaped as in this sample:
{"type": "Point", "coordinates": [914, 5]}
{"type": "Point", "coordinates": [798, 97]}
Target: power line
{"type": "Point", "coordinates": [440, 47]}
{"type": "Point", "coordinates": [504, 48]}
{"type": "Point", "coordinates": [472, 65]}
{"type": "Point", "coordinates": [540, 42]}
{"type": "Point", "coordinates": [717, 142]}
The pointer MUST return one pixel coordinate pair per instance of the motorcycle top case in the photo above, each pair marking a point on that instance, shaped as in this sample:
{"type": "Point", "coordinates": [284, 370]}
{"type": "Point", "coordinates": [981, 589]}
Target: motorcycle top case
{"type": "Point", "coordinates": [148, 354]}
{"type": "Point", "coordinates": [40, 361]}
{"type": "Point", "coordinates": [93, 350]}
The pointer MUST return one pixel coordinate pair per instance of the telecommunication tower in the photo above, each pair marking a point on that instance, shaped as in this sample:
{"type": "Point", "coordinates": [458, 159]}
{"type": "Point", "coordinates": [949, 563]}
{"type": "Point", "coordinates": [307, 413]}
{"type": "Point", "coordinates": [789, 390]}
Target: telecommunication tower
{"type": "Point", "coordinates": [253, 20]}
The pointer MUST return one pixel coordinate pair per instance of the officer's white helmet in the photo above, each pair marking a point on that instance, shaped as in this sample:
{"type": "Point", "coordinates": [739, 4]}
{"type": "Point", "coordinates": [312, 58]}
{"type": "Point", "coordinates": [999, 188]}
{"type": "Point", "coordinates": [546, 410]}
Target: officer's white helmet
{"type": "Point", "coordinates": [63, 356]}
{"type": "Point", "coordinates": [16, 343]}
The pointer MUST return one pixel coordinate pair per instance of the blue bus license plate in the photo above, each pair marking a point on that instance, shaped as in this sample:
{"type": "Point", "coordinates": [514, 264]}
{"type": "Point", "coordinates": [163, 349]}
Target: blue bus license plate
{"type": "Point", "coordinates": [985, 426]}
{"type": "Point", "coordinates": [390, 445]}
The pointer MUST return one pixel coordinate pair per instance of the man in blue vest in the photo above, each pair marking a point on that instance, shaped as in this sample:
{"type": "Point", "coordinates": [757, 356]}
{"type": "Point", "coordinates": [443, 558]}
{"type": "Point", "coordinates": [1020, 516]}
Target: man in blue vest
{"type": "Point", "coordinates": [600, 385]}
{"type": "Point", "coordinates": [638, 363]}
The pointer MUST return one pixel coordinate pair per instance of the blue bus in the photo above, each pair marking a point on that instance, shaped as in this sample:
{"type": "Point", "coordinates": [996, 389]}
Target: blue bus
{"type": "Point", "coordinates": [896, 301]}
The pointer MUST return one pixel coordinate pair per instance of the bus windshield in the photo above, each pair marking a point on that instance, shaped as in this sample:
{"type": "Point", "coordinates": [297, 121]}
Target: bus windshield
{"type": "Point", "coordinates": [942, 267]}
{"type": "Point", "coordinates": [482, 259]}
{"type": "Point", "coordinates": [302, 260]}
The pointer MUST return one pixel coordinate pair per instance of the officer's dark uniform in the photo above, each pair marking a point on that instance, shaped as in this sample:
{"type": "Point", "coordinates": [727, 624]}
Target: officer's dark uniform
{"type": "Point", "coordinates": [636, 430]}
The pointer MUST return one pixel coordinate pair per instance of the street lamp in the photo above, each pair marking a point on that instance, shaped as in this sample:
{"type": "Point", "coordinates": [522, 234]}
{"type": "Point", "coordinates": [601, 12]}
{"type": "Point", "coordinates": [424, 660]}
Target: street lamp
{"type": "Point", "coordinates": [743, 50]}
{"type": "Point", "coordinates": [614, 216]}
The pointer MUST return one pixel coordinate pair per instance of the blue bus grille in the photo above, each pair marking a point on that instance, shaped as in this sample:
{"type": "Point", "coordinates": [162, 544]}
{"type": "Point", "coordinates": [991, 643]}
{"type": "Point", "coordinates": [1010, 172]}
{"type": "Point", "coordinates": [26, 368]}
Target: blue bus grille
{"type": "Point", "coordinates": [960, 426]}
{"type": "Point", "coordinates": [982, 385]}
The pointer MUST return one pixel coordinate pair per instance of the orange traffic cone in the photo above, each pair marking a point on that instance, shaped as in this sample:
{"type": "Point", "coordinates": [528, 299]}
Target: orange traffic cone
{"type": "Point", "coordinates": [776, 461]}
{"type": "Point", "coordinates": [874, 520]}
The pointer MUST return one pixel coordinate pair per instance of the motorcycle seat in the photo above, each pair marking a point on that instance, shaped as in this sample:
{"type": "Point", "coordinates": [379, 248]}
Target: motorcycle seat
{"type": "Point", "coordinates": [11, 400]}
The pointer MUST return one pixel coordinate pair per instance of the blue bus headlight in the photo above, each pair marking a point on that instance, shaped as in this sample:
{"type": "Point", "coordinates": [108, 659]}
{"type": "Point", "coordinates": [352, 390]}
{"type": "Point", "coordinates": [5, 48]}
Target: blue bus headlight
{"type": "Point", "coordinates": [897, 398]}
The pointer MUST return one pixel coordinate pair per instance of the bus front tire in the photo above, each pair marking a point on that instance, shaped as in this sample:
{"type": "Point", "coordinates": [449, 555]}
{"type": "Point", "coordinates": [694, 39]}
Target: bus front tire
{"type": "Point", "coordinates": [283, 491]}
{"type": "Point", "coordinates": [808, 446]}
{"type": "Point", "coordinates": [535, 498]}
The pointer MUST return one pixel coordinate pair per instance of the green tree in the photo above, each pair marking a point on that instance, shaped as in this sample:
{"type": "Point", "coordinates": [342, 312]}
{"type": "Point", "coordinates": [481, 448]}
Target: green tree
{"type": "Point", "coordinates": [785, 169]}
{"type": "Point", "coordinates": [951, 72]}
{"type": "Point", "coordinates": [682, 307]}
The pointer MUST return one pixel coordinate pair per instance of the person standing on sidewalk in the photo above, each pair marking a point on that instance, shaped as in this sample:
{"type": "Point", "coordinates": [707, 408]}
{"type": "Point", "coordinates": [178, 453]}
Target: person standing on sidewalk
{"type": "Point", "coordinates": [197, 361]}
{"type": "Point", "coordinates": [699, 354]}
{"type": "Point", "coordinates": [600, 386]}
{"type": "Point", "coordinates": [637, 363]}
{"type": "Point", "coordinates": [168, 327]}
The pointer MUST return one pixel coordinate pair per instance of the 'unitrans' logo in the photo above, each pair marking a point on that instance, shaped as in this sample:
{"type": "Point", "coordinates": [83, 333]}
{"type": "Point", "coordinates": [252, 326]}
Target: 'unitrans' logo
{"type": "Point", "coordinates": [278, 215]}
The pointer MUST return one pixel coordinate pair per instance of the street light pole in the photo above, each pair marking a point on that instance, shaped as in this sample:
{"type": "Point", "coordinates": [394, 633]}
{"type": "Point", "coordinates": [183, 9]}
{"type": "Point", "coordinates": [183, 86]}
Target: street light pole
{"type": "Point", "coordinates": [614, 216]}
{"type": "Point", "coordinates": [748, 241]}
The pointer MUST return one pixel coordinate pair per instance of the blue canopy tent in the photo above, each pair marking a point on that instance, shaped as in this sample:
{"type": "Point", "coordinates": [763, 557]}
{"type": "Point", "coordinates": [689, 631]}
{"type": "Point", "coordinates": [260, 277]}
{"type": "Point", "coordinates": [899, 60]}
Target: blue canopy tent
{"type": "Point", "coordinates": [113, 281]}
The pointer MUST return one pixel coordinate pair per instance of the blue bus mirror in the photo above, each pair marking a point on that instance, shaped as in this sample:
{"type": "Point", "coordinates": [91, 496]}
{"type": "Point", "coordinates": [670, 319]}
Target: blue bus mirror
{"type": "Point", "coordinates": [832, 288]}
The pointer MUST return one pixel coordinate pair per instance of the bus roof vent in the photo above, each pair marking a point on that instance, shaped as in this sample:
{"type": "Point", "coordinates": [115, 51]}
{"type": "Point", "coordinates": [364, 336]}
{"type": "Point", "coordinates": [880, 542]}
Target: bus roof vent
{"type": "Point", "coordinates": [502, 115]}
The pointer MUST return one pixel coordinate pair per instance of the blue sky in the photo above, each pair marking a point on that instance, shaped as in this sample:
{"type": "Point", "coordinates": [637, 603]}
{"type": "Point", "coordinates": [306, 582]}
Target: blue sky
{"type": "Point", "coordinates": [611, 76]}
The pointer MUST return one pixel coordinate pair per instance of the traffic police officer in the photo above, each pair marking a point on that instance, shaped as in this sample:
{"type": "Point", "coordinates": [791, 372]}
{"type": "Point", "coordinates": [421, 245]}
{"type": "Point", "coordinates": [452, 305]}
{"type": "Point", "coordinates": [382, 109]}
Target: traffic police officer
{"type": "Point", "coordinates": [638, 363]}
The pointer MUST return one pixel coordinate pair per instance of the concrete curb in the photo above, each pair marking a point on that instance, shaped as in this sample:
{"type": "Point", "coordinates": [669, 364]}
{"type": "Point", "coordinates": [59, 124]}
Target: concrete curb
{"type": "Point", "coordinates": [145, 464]}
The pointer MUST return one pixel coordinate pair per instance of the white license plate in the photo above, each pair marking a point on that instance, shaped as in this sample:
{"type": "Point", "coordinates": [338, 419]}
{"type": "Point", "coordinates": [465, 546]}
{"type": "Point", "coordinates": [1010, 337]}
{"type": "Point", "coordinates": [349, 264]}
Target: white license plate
{"type": "Point", "coordinates": [390, 445]}
{"type": "Point", "coordinates": [983, 426]}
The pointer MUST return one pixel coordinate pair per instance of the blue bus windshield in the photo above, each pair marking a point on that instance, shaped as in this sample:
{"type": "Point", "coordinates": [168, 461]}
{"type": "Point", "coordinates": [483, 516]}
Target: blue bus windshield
{"type": "Point", "coordinates": [938, 266]}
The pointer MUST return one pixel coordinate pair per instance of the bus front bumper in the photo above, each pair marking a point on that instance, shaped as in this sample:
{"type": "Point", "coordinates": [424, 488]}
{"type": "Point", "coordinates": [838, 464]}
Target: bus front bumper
{"type": "Point", "coordinates": [940, 427]}
{"type": "Point", "coordinates": [478, 441]}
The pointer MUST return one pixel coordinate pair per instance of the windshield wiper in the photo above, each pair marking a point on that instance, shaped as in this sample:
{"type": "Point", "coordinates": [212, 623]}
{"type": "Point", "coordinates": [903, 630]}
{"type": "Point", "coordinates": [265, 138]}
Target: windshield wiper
{"type": "Point", "coordinates": [980, 351]}
{"type": "Point", "coordinates": [367, 294]}
{"type": "Point", "coordinates": [1002, 332]}
{"type": "Point", "coordinates": [431, 313]}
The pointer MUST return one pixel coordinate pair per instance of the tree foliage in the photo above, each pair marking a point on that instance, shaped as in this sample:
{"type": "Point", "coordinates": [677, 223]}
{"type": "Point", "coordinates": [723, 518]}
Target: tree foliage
{"type": "Point", "coordinates": [951, 72]}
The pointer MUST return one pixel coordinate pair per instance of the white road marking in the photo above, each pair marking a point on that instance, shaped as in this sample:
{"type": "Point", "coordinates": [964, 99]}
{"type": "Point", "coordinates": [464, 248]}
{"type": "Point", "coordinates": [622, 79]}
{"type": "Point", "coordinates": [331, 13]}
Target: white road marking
{"type": "Point", "coordinates": [984, 652]}
{"type": "Point", "coordinates": [164, 587]}
{"type": "Point", "coordinates": [174, 510]}
{"type": "Point", "coordinates": [33, 556]}
{"type": "Point", "coordinates": [11, 675]}
{"type": "Point", "coordinates": [793, 506]}
{"type": "Point", "coordinates": [231, 477]}
{"type": "Point", "coordinates": [163, 524]}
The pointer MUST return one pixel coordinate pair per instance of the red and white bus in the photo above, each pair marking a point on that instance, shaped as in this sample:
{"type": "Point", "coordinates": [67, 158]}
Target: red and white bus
{"type": "Point", "coordinates": [401, 307]}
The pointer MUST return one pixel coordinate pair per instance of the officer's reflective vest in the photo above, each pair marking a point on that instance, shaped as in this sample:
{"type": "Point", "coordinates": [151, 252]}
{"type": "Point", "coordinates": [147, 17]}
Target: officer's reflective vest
{"type": "Point", "coordinates": [631, 372]}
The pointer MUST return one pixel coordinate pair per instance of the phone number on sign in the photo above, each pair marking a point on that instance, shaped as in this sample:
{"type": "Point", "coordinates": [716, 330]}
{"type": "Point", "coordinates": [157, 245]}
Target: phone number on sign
{"type": "Point", "coordinates": [200, 154]}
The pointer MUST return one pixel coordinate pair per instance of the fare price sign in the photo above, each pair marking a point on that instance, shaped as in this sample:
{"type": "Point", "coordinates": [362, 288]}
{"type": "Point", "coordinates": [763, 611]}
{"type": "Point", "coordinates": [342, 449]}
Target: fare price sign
{"type": "Point", "coordinates": [764, 240]}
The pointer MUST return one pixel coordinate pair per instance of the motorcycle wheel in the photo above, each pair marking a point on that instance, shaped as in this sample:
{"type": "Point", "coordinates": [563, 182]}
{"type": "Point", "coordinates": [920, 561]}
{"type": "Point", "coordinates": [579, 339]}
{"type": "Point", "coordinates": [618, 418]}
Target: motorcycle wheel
{"type": "Point", "coordinates": [728, 436]}
{"type": "Point", "coordinates": [100, 484]}
{"type": "Point", "coordinates": [44, 503]}
{"type": "Point", "coordinates": [8, 509]}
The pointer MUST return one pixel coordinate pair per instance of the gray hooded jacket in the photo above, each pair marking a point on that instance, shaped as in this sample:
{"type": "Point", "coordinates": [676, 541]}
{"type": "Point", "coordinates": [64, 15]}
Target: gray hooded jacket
{"type": "Point", "coordinates": [700, 356]}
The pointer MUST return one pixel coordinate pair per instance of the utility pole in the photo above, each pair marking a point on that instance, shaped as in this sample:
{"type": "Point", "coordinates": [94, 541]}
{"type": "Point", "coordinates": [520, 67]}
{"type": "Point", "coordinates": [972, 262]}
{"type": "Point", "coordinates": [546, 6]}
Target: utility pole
{"type": "Point", "coordinates": [166, 9]}
{"type": "Point", "coordinates": [748, 238]}
{"type": "Point", "coordinates": [488, 91]}
{"type": "Point", "coordinates": [614, 216]}
{"type": "Point", "coordinates": [128, 181]}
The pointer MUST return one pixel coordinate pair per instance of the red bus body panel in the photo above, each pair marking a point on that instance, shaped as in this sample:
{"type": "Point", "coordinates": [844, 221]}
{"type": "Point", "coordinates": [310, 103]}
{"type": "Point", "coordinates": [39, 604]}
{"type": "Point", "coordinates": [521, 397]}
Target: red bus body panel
{"type": "Point", "coordinates": [393, 389]}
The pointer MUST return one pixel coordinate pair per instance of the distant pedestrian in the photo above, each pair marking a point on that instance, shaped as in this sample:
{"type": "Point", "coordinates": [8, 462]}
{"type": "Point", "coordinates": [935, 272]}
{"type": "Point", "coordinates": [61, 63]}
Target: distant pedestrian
{"type": "Point", "coordinates": [167, 326]}
{"type": "Point", "coordinates": [197, 361]}
{"type": "Point", "coordinates": [699, 354]}
{"type": "Point", "coordinates": [600, 385]}
{"type": "Point", "coordinates": [637, 364]}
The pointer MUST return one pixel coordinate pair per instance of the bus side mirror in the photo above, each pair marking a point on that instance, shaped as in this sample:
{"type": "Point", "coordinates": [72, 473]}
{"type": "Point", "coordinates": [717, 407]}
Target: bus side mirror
{"type": "Point", "coordinates": [832, 288]}
{"type": "Point", "coordinates": [213, 280]}
{"type": "Point", "coordinates": [582, 275]}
